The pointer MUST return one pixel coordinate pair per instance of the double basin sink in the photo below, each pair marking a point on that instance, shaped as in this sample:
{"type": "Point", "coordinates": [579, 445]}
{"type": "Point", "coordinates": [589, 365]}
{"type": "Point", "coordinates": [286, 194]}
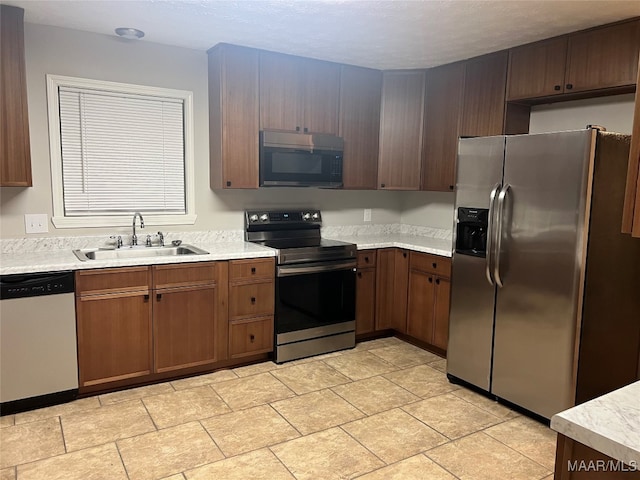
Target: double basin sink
{"type": "Point", "coordinates": [137, 252]}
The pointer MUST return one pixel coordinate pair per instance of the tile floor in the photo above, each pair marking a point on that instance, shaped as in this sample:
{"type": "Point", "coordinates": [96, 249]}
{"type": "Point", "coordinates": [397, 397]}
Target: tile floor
{"type": "Point", "coordinates": [383, 410]}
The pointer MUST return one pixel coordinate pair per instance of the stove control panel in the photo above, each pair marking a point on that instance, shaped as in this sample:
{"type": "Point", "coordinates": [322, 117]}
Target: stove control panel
{"type": "Point", "coordinates": [282, 217]}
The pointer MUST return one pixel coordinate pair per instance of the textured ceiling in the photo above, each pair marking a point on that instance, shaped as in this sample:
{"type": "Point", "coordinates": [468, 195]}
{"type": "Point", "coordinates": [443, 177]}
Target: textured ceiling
{"type": "Point", "coordinates": [382, 34]}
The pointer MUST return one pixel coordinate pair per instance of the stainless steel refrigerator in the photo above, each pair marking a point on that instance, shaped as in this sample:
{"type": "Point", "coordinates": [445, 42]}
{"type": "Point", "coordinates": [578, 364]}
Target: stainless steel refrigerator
{"type": "Point", "coordinates": [545, 288]}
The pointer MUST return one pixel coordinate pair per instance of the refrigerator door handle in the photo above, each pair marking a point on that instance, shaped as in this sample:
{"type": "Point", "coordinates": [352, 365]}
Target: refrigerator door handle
{"type": "Point", "coordinates": [490, 234]}
{"type": "Point", "coordinates": [498, 250]}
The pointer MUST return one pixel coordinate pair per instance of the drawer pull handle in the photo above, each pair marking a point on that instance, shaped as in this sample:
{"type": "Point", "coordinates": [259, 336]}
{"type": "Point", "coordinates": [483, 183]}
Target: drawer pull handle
{"type": "Point", "coordinates": [253, 270]}
{"type": "Point", "coordinates": [430, 280]}
{"type": "Point", "coordinates": [435, 265]}
{"type": "Point", "coordinates": [158, 296]}
{"type": "Point", "coordinates": [253, 300]}
{"type": "Point", "coordinates": [252, 337]}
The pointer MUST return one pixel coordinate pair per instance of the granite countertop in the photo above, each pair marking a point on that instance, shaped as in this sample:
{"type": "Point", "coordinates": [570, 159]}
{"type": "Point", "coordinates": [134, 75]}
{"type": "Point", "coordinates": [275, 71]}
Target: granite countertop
{"type": "Point", "coordinates": [609, 424]}
{"type": "Point", "coordinates": [56, 254]}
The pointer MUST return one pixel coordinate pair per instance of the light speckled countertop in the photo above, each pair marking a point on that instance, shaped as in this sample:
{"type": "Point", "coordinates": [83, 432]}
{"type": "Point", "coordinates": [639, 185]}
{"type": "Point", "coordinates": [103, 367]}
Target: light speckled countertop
{"type": "Point", "coordinates": [52, 260]}
{"type": "Point", "coordinates": [609, 424]}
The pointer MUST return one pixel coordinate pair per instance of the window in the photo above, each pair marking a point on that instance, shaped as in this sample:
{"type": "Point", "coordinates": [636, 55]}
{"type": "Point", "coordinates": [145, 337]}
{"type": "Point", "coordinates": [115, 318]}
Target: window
{"type": "Point", "coordinates": [117, 149]}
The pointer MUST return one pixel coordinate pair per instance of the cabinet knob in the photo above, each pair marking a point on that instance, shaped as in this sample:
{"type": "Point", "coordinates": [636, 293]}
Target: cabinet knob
{"type": "Point", "coordinates": [252, 337]}
{"type": "Point", "coordinates": [382, 185]}
{"type": "Point", "coordinates": [404, 254]}
{"type": "Point", "coordinates": [451, 187]}
{"type": "Point", "coordinates": [306, 130]}
{"type": "Point", "coordinates": [569, 86]}
{"type": "Point", "coordinates": [437, 281]}
{"type": "Point", "coordinates": [253, 270]}
{"type": "Point", "coordinates": [228, 183]}
{"type": "Point", "coordinates": [366, 259]}
{"type": "Point", "coordinates": [146, 298]}
{"type": "Point", "coordinates": [556, 87]}
{"type": "Point", "coordinates": [158, 296]}
{"type": "Point", "coordinates": [359, 274]}
{"type": "Point", "coordinates": [297, 129]}
{"type": "Point", "coordinates": [430, 280]}
{"type": "Point", "coordinates": [253, 300]}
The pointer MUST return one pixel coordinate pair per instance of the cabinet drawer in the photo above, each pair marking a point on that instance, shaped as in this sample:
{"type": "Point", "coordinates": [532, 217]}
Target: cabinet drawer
{"type": "Point", "coordinates": [167, 276]}
{"type": "Point", "coordinates": [250, 337]}
{"type": "Point", "coordinates": [367, 258]}
{"type": "Point", "coordinates": [431, 263]}
{"type": "Point", "coordinates": [251, 300]}
{"type": "Point", "coordinates": [110, 280]}
{"type": "Point", "coordinates": [252, 269]}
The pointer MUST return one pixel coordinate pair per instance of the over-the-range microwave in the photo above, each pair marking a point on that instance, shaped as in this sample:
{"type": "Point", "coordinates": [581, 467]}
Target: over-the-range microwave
{"type": "Point", "coordinates": [291, 159]}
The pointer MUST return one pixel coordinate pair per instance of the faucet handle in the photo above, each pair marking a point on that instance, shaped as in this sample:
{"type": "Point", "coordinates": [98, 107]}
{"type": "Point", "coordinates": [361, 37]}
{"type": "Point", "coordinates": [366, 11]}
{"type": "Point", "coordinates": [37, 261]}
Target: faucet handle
{"type": "Point", "coordinates": [148, 242]}
{"type": "Point", "coordinates": [161, 238]}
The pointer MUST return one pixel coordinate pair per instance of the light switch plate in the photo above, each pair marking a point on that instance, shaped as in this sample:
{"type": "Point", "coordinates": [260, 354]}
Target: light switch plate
{"type": "Point", "coordinates": [36, 223]}
{"type": "Point", "coordinates": [367, 214]}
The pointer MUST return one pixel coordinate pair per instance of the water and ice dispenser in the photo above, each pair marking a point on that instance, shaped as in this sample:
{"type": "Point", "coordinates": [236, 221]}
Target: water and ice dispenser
{"type": "Point", "coordinates": [471, 231]}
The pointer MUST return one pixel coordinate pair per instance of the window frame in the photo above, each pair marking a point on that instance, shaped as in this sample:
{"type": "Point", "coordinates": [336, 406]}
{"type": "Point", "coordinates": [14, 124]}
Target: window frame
{"type": "Point", "coordinates": [55, 149]}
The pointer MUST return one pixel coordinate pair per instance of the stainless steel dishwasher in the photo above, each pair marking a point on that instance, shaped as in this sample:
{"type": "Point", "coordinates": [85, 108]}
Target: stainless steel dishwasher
{"type": "Point", "coordinates": [38, 353]}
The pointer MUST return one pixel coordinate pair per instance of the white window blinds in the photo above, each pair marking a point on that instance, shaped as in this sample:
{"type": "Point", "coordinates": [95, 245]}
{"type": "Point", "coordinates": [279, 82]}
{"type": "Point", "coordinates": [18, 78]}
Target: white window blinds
{"type": "Point", "coordinates": [121, 152]}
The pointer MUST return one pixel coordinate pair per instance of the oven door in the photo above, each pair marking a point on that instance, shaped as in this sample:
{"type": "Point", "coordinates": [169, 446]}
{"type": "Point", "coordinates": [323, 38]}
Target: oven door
{"type": "Point", "coordinates": [314, 297]}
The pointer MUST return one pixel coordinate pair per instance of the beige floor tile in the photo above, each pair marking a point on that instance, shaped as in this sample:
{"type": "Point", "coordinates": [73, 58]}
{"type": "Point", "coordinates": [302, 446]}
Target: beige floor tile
{"type": "Point", "coordinates": [528, 437]}
{"type": "Point", "coordinates": [360, 365]}
{"type": "Point", "coordinates": [440, 365]}
{"type": "Point", "coordinates": [254, 369]}
{"type": "Point", "coordinates": [485, 403]}
{"type": "Point", "coordinates": [7, 421]}
{"type": "Point", "coordinates": [207, 379]}
{"type": "Point", "coordinates": [422, 380]}
{"type": "Point", "coordinates": [135, 393]}
{"type": "Point", "coordinates": [375, 394]}
{"type": "Point", "coordinates": [405, 355]}
{"type": "Point", "coordinates": [31, 441]}
{"type": "Point", "coordinates": [330, 454]}
{"type": "Point", "coordinates": [105, 424]}
{"type": "Point", "coordinates": [309, 377]}
{"type": "Point", "coordinates": [167, 452]}
{"type": "Point", "coordinates": [394, 435]}
{"type": "Point", "coordinates": [451, 416]}
{"type": "Point", "coordinates": [57, 410]}
{"type": "Point", "coordinates": [183, 406]}
{"type": "Point", "coordinates": [317, 411]}
{"type": "Point", "coordinates": [252, 391]}
{"type": "Point", "coordinates": [418, 467]}
{"type": "Point", "coordinates": [8, 473]}
{"type": "Point", "coordinates": [177, 476]}
{"type": "Point", "coordinates": [480, 457]}
{"type": "Point", "coordinates": [249, 429]}
{"type": "Point", "coordinates": [95, 463]}
{"type": "Point", "coordinates": [258, 465]}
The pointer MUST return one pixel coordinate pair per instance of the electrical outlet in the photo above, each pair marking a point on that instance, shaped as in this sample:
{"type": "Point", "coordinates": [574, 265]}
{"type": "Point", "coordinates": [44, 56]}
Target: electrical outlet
{"type": "Point", "coordinates": [36, 223]}
{"type": "Point", "coordinates": [367, 214]}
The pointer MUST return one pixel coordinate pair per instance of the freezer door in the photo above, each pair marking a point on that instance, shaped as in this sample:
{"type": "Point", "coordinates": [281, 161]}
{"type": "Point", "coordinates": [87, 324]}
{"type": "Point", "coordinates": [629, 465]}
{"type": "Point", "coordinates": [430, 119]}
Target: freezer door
{"type": "Point", "coordinates": [480, 162]}
{"type": "Point", "coordinates": [540, 261]}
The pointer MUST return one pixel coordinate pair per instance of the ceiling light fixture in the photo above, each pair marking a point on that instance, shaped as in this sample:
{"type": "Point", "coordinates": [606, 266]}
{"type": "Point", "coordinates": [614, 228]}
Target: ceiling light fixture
{"type": "Point", "coordinates": [129, 33]}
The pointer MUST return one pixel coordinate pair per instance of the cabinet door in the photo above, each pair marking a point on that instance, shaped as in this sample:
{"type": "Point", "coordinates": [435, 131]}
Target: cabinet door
{"type": "Point", "coordinates": [185, 327]}
{"type": "Point", "coordinates": [250, 337]}
{"type": "Point", "coordinates": [233, 117]}
{"type": "Point", "coordinates": [321, 96]}
{"type": "Point", "coordinates": [15, 149]}
{"type": "Point", "coordinates": [360, 94]}
{"type": "Point", "coordinates": [631, 212]}
{"type": "Point", "coordinates": [280, 92]}
{"type": "Point", "coordinates": [537, 70]}
{"type": "Point", "coordinates": [441, 313]}
{"type": "Point", "coordinates": [365, 300]}
{"type": "Point", "coordinates": [401, 128]}
{"type": "Point", "coordinates": [114, 337]}
{"type": "Point", "coordinates": [484, 91]}
{"type": "Point", "coordinates": [251, 299]}
{"type": "Point", "coordinates": [442, 118]}
{"type": "Point", "coordinates": [392, 276]}
{"type": "Point", "coordinates": [603, 57]}
{"type": "Point", "coordinates": [420, 312]}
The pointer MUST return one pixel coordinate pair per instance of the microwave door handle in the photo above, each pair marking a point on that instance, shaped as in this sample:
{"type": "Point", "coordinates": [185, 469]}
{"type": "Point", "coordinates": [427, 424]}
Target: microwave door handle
{"type": "Point", "coordinates": [491, 227]}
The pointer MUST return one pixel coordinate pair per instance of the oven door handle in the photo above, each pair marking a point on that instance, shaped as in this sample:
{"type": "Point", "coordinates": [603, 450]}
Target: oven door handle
{"type": "Point", "coordinates": [321, 267]}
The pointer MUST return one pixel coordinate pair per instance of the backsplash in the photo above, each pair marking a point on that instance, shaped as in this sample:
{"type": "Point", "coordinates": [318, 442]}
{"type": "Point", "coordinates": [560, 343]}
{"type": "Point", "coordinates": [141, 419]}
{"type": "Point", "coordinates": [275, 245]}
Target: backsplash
{"type": "Point", "coordinates": [43, 244]}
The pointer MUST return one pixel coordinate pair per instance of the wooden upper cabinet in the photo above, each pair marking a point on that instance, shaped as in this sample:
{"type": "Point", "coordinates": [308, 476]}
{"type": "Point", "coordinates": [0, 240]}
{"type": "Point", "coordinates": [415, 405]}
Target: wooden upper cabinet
{"type": "Point", "coordinates": [233, 117]}
{"type": "Point", "coordinates": [603, 57]}
{"type": "Point", "coordinates": [442, 118]}
{"type": "Point", "coordinates": [298, 94]}
{"type": "Point", "coordinates": [631, 212]}
{"type": "Point", "coordinates": [15, 150]}
{"type": "Point", "coordinates": [483, 102]}
{"type": "Point", "coordinates": [401, 128]}
{"type": "Point", "coordinates": [360, 93]}
{"type": "Point", "coordinates": [537, 70]}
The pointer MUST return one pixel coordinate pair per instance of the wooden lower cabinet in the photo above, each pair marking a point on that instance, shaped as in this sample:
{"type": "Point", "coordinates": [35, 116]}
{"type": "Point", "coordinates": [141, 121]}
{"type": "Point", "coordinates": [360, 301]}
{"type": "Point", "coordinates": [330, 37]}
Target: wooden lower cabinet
{"type": "Point", "coordinates": [250, 336]}
{"type": "Point", "coordinates": [366, 292]}
{"type": "Point", "coordinates": [392, 276]}
{"type": "Point", "coordinates": [429, 299]}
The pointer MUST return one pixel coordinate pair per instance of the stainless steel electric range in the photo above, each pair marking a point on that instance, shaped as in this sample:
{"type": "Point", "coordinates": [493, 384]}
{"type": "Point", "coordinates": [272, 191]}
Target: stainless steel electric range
{"type": "Point", "coordinates": [315, 283]}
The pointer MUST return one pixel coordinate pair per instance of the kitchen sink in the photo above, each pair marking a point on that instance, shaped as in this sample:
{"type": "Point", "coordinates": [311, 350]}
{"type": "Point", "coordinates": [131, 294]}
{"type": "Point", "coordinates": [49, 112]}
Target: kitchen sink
{"type": "Point", "coordinates": [137, 252]}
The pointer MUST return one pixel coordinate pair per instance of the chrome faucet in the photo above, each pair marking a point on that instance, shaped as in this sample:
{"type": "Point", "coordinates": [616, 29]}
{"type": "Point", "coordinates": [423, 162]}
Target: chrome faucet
{"type": "Point", "coordinates": [134, 238]}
